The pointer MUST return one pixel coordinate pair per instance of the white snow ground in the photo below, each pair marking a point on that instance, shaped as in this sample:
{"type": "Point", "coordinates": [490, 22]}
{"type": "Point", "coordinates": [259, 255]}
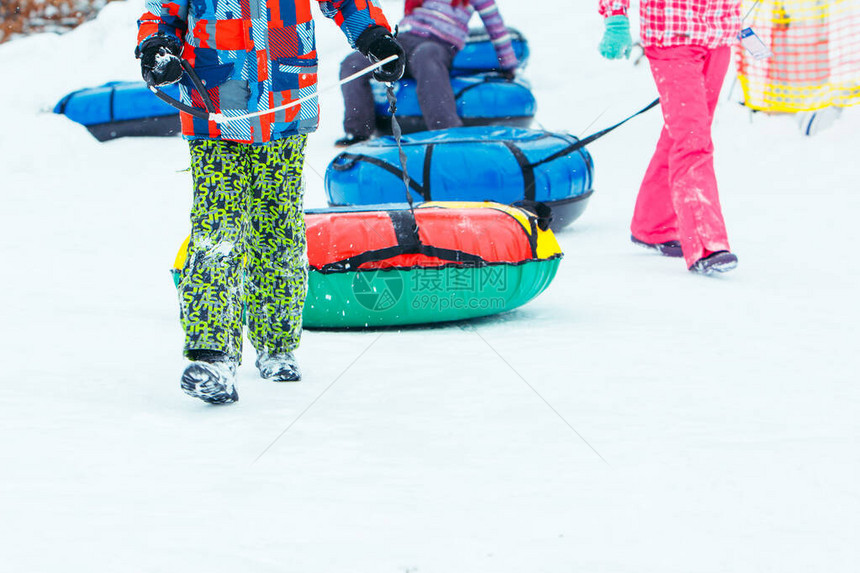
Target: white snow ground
{"type": "Point", "coordinates": [634, 418]}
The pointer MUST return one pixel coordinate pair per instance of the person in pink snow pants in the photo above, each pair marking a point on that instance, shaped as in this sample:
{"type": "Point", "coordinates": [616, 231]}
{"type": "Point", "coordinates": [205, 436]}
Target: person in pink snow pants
{"type": "Point", "coordinates": [688, 46]}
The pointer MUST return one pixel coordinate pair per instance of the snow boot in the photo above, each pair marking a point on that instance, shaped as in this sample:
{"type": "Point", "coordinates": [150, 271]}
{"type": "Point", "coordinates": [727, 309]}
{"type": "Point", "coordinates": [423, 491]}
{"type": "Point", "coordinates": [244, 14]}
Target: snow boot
{"type": "Point", "coordinates": [349, 139]}
{"type": "Point", "coordinates": [211, 376]}
{"type": "Point", "coordinates": [667, 249]}
{"type": "Point", "coordinates": [279, 367]}
{"type": "Point", "coordinates": [720, 262]}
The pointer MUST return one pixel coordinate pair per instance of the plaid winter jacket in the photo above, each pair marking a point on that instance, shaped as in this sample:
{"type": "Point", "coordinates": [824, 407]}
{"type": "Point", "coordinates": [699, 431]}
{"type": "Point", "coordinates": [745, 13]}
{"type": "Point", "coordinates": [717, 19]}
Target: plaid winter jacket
{"type": "Point", "coordinates": [252, 55]}
{"type": "Point", "coordinates": [709, 23]}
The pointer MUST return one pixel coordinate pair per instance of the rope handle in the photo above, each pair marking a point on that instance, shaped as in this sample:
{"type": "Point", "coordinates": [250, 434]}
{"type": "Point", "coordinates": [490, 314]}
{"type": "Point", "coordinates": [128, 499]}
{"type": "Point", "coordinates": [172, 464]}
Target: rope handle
{"type": "Point", "coordinates": [209, 113]}
{"type": "Point", "coordinates": [198, 85]}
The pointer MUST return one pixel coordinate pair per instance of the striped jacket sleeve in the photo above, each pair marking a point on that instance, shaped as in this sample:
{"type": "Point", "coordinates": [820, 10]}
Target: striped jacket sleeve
{"type": "Point", "coordinates": [168, 17]}
{"type": "Point", "coordinates": [354, 16]}
{"type": "Point", "coordinates": [495, 26]}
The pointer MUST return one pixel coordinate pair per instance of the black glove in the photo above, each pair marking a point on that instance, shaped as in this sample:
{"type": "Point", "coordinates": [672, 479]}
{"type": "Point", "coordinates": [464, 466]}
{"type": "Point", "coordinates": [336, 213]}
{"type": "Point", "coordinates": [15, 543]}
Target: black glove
{"type": "Point", "coordinates": [377, 43]}
{"type": "Point", "coordinates": [159, 60]}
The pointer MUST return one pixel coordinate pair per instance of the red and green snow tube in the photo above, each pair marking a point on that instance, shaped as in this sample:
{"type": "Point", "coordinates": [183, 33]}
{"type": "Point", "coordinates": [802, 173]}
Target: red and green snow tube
{"type": "Point", "coordinates": [384, 266]}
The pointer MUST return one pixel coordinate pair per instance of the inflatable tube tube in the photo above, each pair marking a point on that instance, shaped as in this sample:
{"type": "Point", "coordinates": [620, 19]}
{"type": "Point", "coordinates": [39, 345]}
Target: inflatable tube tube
{"type": "Point", "coordinates": [501, 164]}
{"type": "Point", "coordinates": [478, 54]}
{"type": "Point", "coordinates": [372, 268]}
{"type": "Point", "coordinates": [121, 109]}
{"type": "Point", "coordinates": [485, 99]}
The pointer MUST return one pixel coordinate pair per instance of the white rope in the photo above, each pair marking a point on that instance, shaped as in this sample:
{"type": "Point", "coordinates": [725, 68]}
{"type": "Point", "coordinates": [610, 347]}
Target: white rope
{"type": "Point", "coordinates": [221, 118]}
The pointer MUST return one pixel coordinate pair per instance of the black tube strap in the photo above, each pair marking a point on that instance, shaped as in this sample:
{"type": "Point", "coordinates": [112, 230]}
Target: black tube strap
{"type": "Point", "coordinates": [593, 137]}
{"type": "Point", "coordinates": [111, 114]}
{"type": "Point", "coordinates": [346, 161]}
{"type": "Point", "coordinates": [397, 133]}
{"type": "Point", "coordinates": [352, 158]}
{"type": "Point", "coordinates": [408, 243]}
{"type": "Point", "coordinates": [61, 107]}
{"type": "Point", "coordinates": [533, 236]}
{"type": "Point", "coordinates": [198, 85]}
{"type": "Point", "coordinates": [527, 169]}
{"type": "Point", "coordinates": [405, 228]}
{"type": "Point", "coordinates": [428, 156]}
{"type": "Point", "coordinates": [541, 211]}
{"type": "Point", "coordinates": [487, 79]}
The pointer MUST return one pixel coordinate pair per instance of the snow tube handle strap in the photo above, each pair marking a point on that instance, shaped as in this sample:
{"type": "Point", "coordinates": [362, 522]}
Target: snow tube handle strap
{"type": "Point", "coordinates": [61, 105]}
{"type": "Point", "coordinates": [350, 159]}
{"type": "Point", "coordinates": [593, 137]}
{"type": "Point", "coordinates": [345, 161]}
{"type": "Point", "coordinates": [488, 77]}
{"type": "Point", "coordinates": [198, 85]}
{"type": "Point", "coordinates": [541, 213]}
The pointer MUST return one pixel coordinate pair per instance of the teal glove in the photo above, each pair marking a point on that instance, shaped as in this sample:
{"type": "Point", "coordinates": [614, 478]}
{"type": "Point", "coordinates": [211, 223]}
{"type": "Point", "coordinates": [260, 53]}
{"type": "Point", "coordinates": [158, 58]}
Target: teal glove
{"type": "Point", "coordinates": [616, 40]}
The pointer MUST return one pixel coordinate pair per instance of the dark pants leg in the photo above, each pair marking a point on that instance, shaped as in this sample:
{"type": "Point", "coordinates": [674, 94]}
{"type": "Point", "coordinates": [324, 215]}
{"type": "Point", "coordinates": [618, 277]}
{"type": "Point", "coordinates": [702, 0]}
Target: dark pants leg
{"type": "Point", "coordinates": [429, 62]}
{"type": "Point", "coordinates": [359, 117]}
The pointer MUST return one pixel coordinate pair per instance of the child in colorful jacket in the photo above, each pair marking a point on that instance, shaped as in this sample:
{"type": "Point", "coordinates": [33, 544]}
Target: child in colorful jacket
{"type": "Point", "coordinates": [687, 43]}
{"type": "Point", "coordinates": [432, 32]}
{"type": "Point", "coordinates": [247, 252]}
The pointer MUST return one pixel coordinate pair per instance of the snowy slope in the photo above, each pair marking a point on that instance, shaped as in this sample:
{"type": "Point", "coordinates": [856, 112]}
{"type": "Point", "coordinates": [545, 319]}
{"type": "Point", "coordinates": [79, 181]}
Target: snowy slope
{"type": "Point", "coordinates": [634, 418]}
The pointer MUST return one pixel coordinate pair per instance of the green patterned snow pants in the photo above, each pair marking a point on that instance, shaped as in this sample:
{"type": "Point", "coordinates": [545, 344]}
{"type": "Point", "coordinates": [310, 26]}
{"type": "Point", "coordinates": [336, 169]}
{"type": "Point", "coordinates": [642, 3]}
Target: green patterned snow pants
{"type": "Point", "coordinates": [247, 247]}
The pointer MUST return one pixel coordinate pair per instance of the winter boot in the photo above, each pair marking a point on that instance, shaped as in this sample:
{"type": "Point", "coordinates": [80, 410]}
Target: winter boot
{"type": "Point", "coordinates": [667, 249]}
{"type": "Point", "coordinates": [279, 367]}
{"type": "Point", "coordinates": [719, 261]}
{"type": "Point", "coordinates": [211, 376]}
{"type": "Point", "coordinates": [349, 139]}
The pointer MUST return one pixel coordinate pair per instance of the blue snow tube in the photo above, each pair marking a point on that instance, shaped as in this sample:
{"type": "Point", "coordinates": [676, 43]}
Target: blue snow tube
{"type": "Point", "coordinates": [478, 54]}
{"type": "Point", "coordinates": [483, 99]}
{"type": "Point", "coordinates": [121, 109]}
{"type": "Point", "coordinates": [491, 163]}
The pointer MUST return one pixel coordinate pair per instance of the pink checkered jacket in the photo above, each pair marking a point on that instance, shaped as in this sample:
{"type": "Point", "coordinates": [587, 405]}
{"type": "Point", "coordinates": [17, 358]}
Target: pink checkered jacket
{"type": "Point", "coordinates": [663, 23]}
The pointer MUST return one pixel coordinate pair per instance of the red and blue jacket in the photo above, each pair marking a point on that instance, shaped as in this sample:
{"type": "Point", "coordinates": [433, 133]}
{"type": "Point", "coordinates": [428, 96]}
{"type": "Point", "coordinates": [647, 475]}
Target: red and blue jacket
{"type": "Point", "coordinates": [252, 55]}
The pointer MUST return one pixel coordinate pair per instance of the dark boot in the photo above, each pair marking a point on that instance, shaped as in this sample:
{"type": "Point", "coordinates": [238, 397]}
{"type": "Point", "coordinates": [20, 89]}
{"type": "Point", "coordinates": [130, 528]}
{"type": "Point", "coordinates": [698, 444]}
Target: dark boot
{"type": "Point", "coordinates": [667, 249]}
{"type": "Point", "coordinates": [279, 367]}
{"type": "Point", "coordinates": [349, 139]}
{"type": "Point", "coordinates": [719, 262]}
{"type": "Point", "coordinates": [211, 376]}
